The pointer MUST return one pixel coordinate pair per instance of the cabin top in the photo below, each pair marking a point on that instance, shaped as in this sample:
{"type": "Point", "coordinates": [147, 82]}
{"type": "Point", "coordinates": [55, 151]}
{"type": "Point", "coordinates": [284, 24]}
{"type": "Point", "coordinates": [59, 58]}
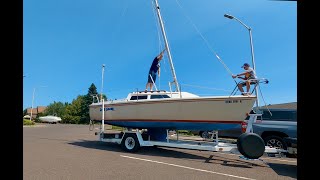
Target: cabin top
{"type": "Point", "coordinates": [151, 95]}
{"type": "Point", "coordinates": [148, 95]}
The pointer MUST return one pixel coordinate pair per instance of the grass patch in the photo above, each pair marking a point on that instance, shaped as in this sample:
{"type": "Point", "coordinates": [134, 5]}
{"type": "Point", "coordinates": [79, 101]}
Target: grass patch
{"type": "Point", "coordinates": [185, 132]}
{"type": "Point", "coordinates": [117, 128]}
{"type": "Point", "coordinates": [28, 122]}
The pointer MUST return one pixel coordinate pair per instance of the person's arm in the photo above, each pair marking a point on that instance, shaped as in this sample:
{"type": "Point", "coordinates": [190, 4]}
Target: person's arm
{"type": "Point", "coordinates": [242, 74]}
{"type": "Point", "coordinates": [159, 72]}
{"type": "Point", "coordinates": [234, 76]}
{"type": "Point", "coordinates": [161, 54]}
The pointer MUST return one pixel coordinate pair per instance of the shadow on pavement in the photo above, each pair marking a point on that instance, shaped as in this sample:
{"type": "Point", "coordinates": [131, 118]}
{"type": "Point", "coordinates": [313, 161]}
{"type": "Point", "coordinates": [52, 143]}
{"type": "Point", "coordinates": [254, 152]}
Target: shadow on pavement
{"type": "Point", "coordinates": [225, 161]}
{"type": "Point", "coordinates": [167, 152]}
{"type": "Point", "coordinates": [284, 169]}
{"type": "Point", "coordinates": [97, 145]}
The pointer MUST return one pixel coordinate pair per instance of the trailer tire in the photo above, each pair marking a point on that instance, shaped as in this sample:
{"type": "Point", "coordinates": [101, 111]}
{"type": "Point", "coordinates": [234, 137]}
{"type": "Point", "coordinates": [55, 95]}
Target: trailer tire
{"type": "Point", "coordinates": [204, 134]}
{"type": "Point", "coordinates": [130, 143]}
{"type": "Point", "coordinates": [251, 145]}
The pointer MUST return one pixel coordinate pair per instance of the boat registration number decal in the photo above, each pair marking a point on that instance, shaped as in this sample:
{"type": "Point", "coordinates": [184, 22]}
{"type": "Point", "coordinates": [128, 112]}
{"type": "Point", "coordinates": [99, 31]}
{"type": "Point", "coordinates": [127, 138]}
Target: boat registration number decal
{"type": "Point", "coordinates": [107, 109]}
{"type": "Point", "coordinates": [233, 101]}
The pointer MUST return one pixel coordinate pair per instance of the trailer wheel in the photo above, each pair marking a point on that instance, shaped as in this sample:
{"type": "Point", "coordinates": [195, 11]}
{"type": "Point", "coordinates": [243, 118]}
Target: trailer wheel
{"type": "Point", "coordinates": [204, 134]}
{"type": "Point", "coordinates": [251, 145]}
{"type": "Point", "coordinates": [130, 143]}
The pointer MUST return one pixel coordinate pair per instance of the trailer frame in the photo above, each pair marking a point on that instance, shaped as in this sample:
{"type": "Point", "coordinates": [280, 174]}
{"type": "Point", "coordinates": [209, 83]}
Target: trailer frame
{"type": "Point", "coordinates": [132, 139]}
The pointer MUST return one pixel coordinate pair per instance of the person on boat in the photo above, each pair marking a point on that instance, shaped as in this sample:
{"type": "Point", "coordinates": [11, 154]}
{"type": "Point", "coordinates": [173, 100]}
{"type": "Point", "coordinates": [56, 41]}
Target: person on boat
{"type": "Point", "coordinates": [155, 67]}
{"type": "Point", "coordinates": [249, 77]}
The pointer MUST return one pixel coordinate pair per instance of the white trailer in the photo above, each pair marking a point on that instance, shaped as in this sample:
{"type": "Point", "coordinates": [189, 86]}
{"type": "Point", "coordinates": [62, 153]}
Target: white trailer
{"type": "Point", "coordinates": [248, 144]}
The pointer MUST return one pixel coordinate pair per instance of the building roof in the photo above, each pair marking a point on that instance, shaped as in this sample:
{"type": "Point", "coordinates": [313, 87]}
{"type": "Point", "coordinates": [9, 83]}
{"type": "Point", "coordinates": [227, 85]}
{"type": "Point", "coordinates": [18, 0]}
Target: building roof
{"type": "Point", "coordinates": [291, 105]}
{"type": "Point", "coordinates": [40, 109]}
{"type": "Point", "coordinates": [36, 110]}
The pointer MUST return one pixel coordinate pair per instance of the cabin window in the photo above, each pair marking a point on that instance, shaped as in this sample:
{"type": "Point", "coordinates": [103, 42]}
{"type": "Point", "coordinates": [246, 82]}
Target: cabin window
{"type": "Point", "coordinates": [159, 96]}
{"type": "Point", "coordinates": [138, 97]}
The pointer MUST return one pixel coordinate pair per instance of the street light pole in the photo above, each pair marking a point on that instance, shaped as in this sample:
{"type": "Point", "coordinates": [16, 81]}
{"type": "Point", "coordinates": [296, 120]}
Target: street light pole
{"type": "Point", "coordinates": [251, 46]}
{"type": "Point", "coordinates": [34, 89]}
{"type": "Point", "coordinates": [252, 54]}
{"type": "Point", "coordinates": [102, 81]}
{"type": "Point", "coordinates": [102, 108]}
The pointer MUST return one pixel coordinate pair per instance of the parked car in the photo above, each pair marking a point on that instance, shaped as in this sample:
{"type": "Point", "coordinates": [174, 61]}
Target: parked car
{"type": "Point", "coordinates": [292, 145]}
{"type": "Point", "coordinates": [277, 130]}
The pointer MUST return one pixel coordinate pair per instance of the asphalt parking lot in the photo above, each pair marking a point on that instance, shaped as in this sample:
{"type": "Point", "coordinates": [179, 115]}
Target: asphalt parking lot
{"type": "Point", "coordinates": [58, 151]}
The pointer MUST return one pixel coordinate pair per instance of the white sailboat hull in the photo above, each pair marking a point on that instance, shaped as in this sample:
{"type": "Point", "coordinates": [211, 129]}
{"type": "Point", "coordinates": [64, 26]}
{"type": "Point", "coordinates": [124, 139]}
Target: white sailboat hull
{"type": "Point", "coordinates": [212, 113]}
{"type": "Point", "coordinates": [50, 119]}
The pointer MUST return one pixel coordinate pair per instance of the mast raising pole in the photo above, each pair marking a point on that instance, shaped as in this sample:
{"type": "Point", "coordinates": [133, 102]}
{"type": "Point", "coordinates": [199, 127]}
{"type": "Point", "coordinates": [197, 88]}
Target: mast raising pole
{"type": "Point", "coordinates": [167, 47]}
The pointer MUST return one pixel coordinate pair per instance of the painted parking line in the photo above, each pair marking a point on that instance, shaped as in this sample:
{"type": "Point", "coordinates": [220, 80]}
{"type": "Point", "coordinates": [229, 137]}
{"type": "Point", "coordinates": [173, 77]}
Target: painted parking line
{"type": "Point", "coordinates": [274, 159]}
{"type": "Point", "coordinates": [202, 170]}
{"type": "Point", "coordinates": [35, 126]}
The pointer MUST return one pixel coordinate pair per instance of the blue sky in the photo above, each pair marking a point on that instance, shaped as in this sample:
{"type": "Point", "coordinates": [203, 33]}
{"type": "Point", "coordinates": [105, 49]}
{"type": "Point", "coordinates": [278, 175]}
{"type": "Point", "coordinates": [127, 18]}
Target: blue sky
{"type": "Point", "coordinates": [65, 43]}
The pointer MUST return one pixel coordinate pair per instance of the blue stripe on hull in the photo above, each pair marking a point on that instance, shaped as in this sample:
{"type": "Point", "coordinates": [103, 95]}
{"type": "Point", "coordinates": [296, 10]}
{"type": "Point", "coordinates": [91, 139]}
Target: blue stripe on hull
{"type": "Point", "coordinates": [175, 125]}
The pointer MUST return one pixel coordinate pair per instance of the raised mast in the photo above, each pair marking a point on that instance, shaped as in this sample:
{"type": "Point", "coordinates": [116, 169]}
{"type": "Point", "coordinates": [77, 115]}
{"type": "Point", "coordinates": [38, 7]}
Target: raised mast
{"type": "Point", "coordinates": [167, 47]}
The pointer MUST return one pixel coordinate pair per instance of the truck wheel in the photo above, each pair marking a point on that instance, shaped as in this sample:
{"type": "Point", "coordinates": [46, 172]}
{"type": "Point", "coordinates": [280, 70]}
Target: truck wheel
{"type": "Point", "coordinates": [275, 141]}
{"type": "Point", "coordinates": [130, 143]}
{"type": "Point", "coordinates": [251, 145]}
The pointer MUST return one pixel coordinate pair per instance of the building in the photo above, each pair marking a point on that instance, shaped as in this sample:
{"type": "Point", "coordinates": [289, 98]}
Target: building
{"type": "Point", "coordinates": [36, 111]}
{"type": "Point", "coordinates": [291, 105]}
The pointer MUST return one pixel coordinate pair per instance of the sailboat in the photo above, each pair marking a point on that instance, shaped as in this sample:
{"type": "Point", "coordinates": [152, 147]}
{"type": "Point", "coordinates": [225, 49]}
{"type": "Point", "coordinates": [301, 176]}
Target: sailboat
{"type": "Point", "coordinates": [50, 119]}
{"type": "Point", "coordinates": [175, 110]}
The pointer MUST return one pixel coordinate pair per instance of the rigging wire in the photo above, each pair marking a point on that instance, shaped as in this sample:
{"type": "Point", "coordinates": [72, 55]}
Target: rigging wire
{"type": "Point", "coordinates": [205, 40]}
{"type": "Point", "coordinates": [157, 25]}
{"type": "Point", "coordinates": [161, 47]}
{"type": "Point", "coordinates": [265, 104]}
{"type": "Point", "coordinates": [208, 45]}
{"type": "Point", "coordinates": [205, 87]}
{"type": "Point", "coordinates": [158, 31]}
{"type": "Point", "coordinates": [125, 9]}
{"type": "Point", "coordinates": [123, 13]}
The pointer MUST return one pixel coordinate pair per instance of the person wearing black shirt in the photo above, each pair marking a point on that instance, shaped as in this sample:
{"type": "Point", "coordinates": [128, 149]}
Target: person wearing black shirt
{"type": "Point", "coordinates": [155, 67]}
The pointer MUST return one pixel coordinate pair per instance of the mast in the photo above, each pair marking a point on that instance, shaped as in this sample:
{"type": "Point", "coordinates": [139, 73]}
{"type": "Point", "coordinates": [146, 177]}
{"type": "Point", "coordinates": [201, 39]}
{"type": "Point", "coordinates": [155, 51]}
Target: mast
{"type": "Point", "coordinates": [167, 47]}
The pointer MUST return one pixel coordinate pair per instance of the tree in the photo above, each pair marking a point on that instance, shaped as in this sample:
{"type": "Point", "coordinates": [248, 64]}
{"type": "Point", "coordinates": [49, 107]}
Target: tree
{"type": "Point", "coordinates": [56, 108]}
{"type": "Point", "coordinates": [37, 117]}
{"type": "Point", "coordinates": [73, 112]}
{"type": "Point", "coordinates": [92, 90]}
{"type": "Point", "coordinates": [78, 111]}
{"type": "Point", "coordinates": [88, 99]}
{"type": "Point", "coordinates": [25, 112]}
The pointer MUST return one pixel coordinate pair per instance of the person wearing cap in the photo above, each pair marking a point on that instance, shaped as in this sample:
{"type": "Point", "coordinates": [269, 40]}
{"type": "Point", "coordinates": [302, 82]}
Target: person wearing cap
{"type": "Point", "coordinates": [155, 67]}
{"type": "Point", "coordinates": [249, 77]}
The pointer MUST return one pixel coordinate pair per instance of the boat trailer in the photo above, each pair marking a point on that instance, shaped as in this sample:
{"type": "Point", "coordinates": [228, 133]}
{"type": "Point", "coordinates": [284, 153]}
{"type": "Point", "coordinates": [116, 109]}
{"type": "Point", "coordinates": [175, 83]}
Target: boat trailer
{"type": "Point", "coordinates": [249, 144]}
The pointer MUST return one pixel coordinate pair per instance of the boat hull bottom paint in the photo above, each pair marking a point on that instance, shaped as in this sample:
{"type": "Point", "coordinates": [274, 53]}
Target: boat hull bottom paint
{"type": "Point", "coordinates": [204, 126]}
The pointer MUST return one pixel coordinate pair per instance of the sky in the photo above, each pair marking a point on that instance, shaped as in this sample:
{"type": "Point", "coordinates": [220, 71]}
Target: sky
{"type": "Point", "coordinates": [66, 42]}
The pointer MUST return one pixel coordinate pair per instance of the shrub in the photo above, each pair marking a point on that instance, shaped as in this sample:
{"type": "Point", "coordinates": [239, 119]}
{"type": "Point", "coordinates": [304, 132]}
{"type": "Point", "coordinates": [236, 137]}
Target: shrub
{"type": "Point", "coordinates": [37, 120]}
{"type": "Point", "coordinates": [68, 119]}
{"type": "Point", "coordinates": [185, 132]}
{"type": "Point", "coordinates": [28, 122]}
{"type": "Point", "coordinates": [117, 127]}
